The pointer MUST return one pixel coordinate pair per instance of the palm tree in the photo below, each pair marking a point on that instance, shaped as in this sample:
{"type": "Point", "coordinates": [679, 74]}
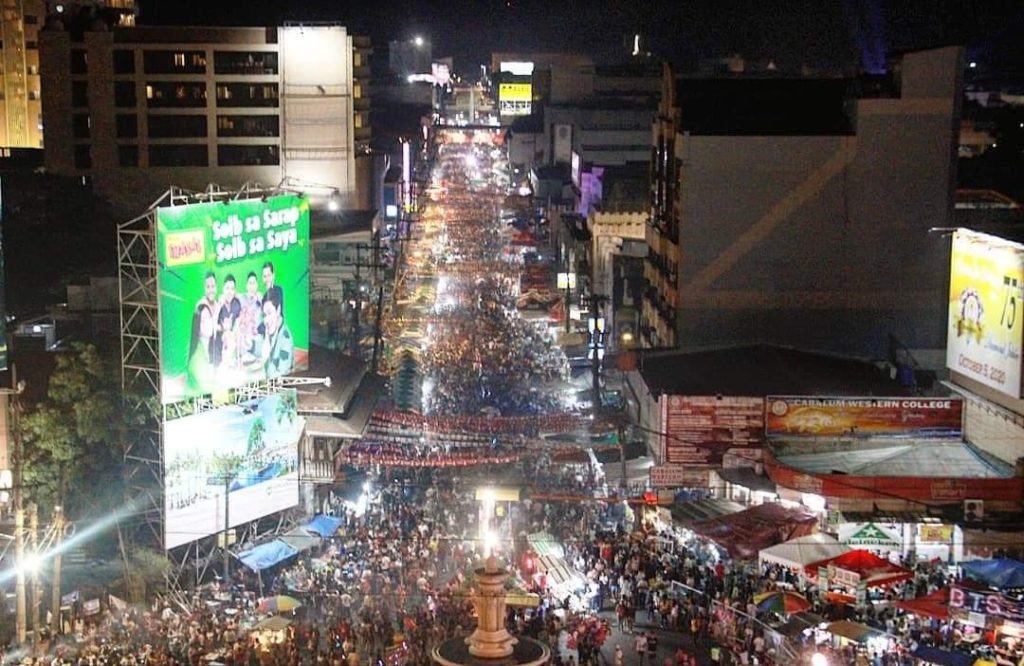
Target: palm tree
{"type": "Point", "coordinates": [256, 434]}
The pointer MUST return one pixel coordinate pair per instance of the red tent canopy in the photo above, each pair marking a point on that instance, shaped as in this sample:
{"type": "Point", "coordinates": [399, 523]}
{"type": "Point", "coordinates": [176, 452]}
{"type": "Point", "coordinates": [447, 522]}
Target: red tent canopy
{"type": "Point", "coordinates": [746, 533]}
{"type": "Point", "coordinates": [872, 569]}
{"type": "Point", "coordinates": [935, 604]}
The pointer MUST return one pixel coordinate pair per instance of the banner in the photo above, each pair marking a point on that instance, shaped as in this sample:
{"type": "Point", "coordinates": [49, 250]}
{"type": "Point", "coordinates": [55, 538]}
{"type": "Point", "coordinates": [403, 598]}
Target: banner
{"type": "Point", "coordinates": [986, 296]}
{"type": "Point", "coordinates": [927, 533]}
{"type": "Point", "coordinates": [805, 416]}
{"type": "Point", "coordinates": [234, 293]}
{"type": "Point", "coordinates": [678, 476]}
{"type": "Point", "coordinates": [991, 604]}
{"type": "Point", "coordinates": [699, 430]}
{"type": "Point", "coordinates": [240, 460]}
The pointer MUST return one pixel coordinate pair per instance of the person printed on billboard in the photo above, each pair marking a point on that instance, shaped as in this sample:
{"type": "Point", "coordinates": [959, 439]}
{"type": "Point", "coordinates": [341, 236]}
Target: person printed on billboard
{"type": "Point", "coordinates": [200, 365]}
{"type": "Point", "coordinates": [209, 291]}
{"type": "Point", "coordinates": [229, 308]}
{"type": "Point", "coordinates": [268, 284]}
{"type": "Point", "coordinates": [278, 345]}
{"type": "Point", "coordinates": [249, 320]}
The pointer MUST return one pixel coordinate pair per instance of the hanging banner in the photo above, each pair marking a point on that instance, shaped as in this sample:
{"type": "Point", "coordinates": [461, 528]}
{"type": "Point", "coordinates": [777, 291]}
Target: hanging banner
{"type": "Point", "coordinates": [809, 416]}
{"type": "Point", "coordinates": [698, 431]}
{"type": "Point", "coordinates": [986, 296]}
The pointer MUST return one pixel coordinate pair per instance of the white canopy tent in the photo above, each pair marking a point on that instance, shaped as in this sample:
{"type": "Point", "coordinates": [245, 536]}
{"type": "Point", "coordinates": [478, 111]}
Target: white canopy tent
{"type": "Point", "coordinates": [799, 552]}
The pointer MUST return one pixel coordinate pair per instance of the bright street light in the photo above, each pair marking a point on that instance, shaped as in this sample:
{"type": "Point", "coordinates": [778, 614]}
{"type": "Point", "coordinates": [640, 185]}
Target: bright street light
{"type": "Point", "coordinates": [818, 659]}
{"type": "Point", "coordinates": [417, 40]}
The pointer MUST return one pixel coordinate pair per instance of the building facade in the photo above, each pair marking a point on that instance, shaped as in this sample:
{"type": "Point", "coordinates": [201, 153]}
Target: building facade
{"type": "Point", "coordinates": [137, 110]}
{"type": "Point", "coordinates": [797, 211]}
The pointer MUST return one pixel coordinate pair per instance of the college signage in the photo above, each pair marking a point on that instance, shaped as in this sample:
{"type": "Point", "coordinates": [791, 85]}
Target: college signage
{"type": "Point", "coordinates": [809, 416]}
{"type": "Point", "coordinates": [986, 298]}
{"type": "Point", "coordinates": [697, 431]}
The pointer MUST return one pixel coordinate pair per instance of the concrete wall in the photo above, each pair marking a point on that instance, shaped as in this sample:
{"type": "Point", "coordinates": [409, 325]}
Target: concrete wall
{"type": "Point", "coordinates": [822, 242]}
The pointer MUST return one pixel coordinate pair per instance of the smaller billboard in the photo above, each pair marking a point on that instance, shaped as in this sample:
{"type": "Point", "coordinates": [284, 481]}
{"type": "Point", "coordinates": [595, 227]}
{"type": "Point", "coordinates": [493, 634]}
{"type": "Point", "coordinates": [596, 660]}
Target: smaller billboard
{"type": "Point", "coordinates": [515, 99]}
{"type": "Point", "coordinates": [986, 298]}
{"type": "Point", "coordinates": [823, 416]}
{"type": "Point", "coordinates": [678, 476]}
{"type": "Point", "coordinates": [516, 68]}
{"type": "Point", "coordinates": [250, 449]}
{"type": "Point", "coordinates": [697, 431]}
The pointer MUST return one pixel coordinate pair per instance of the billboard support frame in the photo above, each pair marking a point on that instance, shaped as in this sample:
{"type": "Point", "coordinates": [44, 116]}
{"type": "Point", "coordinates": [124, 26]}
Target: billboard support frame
{"type": "Point", "coordinates": [138, 295]}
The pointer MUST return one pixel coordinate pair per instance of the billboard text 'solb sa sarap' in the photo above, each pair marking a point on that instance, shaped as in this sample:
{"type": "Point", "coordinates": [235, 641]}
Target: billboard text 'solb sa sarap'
{"type": "Point", "coordinates": [234, 293]}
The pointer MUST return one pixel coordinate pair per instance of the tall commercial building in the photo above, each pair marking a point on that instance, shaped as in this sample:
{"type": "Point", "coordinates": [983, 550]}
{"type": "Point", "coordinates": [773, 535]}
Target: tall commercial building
{"type": "Point", "coordinates": [21, 119]}
{"type": "Point", "coordinates": [797, 211]}
{"type": "Point", "coordinates": [137, 110]}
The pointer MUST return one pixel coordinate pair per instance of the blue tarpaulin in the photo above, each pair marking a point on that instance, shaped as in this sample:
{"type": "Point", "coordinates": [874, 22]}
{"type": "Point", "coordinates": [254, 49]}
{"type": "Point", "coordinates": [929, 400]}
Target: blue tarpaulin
{"type": "Point", "coordinates": [942, 657]}
{"type": "Point", "coordinates": [1001, 574]}
{"type": "Point", "coordinates": [266, 555]}
{"type": "Point", "coordinates": [325, 526]}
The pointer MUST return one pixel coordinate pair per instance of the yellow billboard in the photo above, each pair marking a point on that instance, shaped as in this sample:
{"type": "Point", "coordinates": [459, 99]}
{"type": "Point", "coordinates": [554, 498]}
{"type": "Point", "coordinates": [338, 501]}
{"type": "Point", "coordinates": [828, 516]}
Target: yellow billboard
{"type": "Point", "coordinates": [515, 99]}
{"type": "Point", "coordinates": [986, 299]}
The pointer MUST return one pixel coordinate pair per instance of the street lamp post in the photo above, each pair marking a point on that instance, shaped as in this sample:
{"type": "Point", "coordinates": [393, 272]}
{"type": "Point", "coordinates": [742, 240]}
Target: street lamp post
{"type": "Point", "coordinates": [596, 327]}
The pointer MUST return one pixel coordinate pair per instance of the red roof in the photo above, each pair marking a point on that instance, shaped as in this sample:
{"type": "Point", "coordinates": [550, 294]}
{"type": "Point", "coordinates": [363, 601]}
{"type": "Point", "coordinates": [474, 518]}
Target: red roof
{"type": "Point", "coordinates": [746, 533]}
{"type": "Point", "coordinates": [872, 569]}
{"type": "Point", "coordinates": [935, 604]}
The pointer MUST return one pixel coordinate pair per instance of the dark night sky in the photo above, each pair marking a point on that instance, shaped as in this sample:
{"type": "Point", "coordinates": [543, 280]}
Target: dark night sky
{"type": "Point", "coordinates": [821, 33]}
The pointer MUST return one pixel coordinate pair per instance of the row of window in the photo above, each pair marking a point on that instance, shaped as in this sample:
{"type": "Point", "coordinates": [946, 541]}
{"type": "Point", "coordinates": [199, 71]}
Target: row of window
{"type": "Point", "coordinates": [186, 155]}
{"type": "Point", "coordinates": [183, 94]}
{"type": "Point", "coordinates": [126, 126]}
{"type": "Point", "coordinates": [185, 62]}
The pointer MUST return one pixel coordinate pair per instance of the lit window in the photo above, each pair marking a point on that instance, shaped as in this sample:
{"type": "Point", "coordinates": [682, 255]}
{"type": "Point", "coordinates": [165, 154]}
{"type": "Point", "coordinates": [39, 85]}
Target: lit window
{"type": "Point", "coordinates": [179, 59]}
{"type": "Point", "coordinates": [149, 92]}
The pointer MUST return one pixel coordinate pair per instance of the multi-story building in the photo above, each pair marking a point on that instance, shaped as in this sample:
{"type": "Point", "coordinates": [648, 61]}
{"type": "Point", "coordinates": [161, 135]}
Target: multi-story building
{"type": "Point", "coordinates": [21, 117]}
{"type": "Point", "coordinates": [797, 211]}
{"type": "Point", "coordinates": [137, 110]}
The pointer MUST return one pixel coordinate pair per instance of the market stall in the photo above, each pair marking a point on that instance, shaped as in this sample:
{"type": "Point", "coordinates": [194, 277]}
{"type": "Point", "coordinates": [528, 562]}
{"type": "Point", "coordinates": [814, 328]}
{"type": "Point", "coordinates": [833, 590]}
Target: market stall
{"type": "Point", "coordinates": [746, 533]}
{"type": "Point", "coordinates": [799, 552]}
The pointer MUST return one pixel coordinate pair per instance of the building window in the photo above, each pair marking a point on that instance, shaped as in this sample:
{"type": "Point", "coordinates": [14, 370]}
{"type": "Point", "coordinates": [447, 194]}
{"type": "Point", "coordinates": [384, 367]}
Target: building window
{"type": "Point", "coordinates": [245, 62]}
{"type": "Point", "coordinates": [124, 94]}
{"type": "Point", "coordinates": [163, 126]}
{"type": "Point", "coordinates": [175, 94]}
{"type": "Point", "coordinates": [124, 62]}
{"type": "Point", "coordinates": [232, 155]}
{"type": "Point", "coordinates": [79, 61]}
{"type": "Point", "coordinates": [176, 155]}
{"type": "Point", "coordinates": [128, 155]}
{"type": "Point", "coordinates": [31, 45]}
{"type": "Point", "coordinates": [83, 157]}
{"type": "Point", "coordinates": [79, 93]}
{"type": "Point", "coordinates": [80, 125]}
{"type": "Point", "coordinates": [31, 19]}
{"type": "Point", "coordinates": [247, 94]}
{"type": "Point", "coordinates": [127, 125]}
{"type": "Point", "coordinates": [248, 125]}
{"type": "Point", "coordinates": [174, 62]}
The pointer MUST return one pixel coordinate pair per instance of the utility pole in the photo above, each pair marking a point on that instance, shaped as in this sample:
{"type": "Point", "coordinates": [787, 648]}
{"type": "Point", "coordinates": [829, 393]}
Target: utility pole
{"type": "Point", "coordinates": [33, 534]}
{"type": "Point", "coordinates": [19, 507]}
{"type": "Point", "coordinates": [58, 540]}
{"type": "Point", "coordinates": [227, 530]}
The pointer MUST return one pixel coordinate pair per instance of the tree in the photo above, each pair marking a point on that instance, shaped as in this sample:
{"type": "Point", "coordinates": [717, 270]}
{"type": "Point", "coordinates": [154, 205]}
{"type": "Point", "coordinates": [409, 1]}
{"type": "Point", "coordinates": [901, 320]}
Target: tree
{"type": "Point", "coordinates": [72, 438]}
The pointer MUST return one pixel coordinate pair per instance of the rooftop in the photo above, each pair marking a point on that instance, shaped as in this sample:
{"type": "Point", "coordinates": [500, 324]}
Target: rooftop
{"type": "Point", "coordinates": [752, 106]}
{"type": "Point", "coordinates": [760, 370]}
{"type": "Point", "coordinates": [884, 457]}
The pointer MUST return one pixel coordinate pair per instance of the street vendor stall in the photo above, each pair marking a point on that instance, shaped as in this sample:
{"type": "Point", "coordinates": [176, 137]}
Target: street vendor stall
{"type": "Point", "coordinates": [803, 550]}
{"type": "Point", "coordinates": [273, 630]}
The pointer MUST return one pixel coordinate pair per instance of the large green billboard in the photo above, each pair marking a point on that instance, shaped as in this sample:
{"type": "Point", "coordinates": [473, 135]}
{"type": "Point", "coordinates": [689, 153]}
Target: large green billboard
{"type": "Point", "coordinates": [234, 293]}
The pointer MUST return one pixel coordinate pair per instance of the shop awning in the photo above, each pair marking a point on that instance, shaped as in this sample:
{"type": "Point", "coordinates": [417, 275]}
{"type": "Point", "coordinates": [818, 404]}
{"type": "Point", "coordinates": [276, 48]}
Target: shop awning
{"type": "Point", "coordinates": [748, 478]}
{"type": "Point", "coordinates": [798, 623]}
{"type": "Point", "coordinates": [299, 539]}
{"type": "Point", "coordinates": [934, 655]}
{"type": "Point", "coordinates": [1002, 574]}
{"type": "Point", "coordinates": [801, 551]}
{"type": "Point", "coordinates": [934, 605]}
{"type": "Point", "coordinates": [703, 509]}
{"type": "Point", "coordinates": [854, 631]}
{"type": "Point", "coordinates": [266, 555]}
{"type": "Point", "coordinates": [544, 544]}
{"type": "Point", "coordinates": [870, 568]}
{"type": "Point", "coordinates": [748, 532]}
{"type": "Point", "coordinates": [325, 526]}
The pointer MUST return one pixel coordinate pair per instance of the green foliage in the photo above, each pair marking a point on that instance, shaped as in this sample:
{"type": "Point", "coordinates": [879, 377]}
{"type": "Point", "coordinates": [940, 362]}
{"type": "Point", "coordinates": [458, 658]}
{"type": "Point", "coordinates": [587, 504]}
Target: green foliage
{"type": "Point", "coordinates": [75, 431]}
{"type": "Point", "coordinates": [256, 442]}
